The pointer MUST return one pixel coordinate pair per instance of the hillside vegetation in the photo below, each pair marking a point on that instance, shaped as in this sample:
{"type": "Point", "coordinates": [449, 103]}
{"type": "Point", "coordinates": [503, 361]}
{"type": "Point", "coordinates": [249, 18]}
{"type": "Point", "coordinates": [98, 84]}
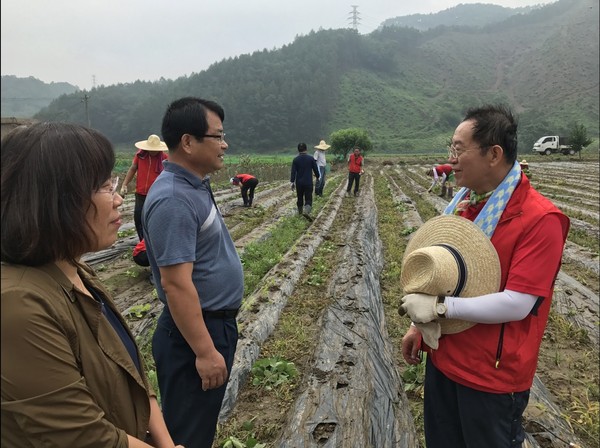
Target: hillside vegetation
{"type": "Point", "coordinates": [407, 88]}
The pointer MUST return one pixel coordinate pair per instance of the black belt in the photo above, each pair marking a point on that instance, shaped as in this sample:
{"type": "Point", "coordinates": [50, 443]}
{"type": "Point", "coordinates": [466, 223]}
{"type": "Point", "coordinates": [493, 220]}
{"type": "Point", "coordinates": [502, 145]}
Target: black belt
{"type": "Point", "coordinates": [220, 314]}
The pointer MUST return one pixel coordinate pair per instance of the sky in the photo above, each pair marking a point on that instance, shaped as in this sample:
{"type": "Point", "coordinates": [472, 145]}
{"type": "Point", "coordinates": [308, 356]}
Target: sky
{"type": "Point", "coordinates": [91, 43]}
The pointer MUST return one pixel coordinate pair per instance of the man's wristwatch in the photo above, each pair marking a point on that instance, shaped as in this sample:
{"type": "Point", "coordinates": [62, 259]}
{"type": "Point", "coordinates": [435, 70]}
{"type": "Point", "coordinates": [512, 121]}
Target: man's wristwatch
{"type": "Point", "coordinates": [440, 307]}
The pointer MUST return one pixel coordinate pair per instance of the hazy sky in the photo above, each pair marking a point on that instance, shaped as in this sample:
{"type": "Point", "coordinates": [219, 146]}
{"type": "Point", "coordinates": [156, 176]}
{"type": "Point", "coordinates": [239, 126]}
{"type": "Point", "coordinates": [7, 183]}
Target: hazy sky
{"type": "Point", "coordinates": [103, 42]}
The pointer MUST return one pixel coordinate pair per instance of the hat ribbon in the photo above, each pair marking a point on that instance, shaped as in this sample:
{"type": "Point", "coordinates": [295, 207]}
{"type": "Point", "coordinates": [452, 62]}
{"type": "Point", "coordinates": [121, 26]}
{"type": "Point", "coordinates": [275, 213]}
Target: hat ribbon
{"type": "Point", "coordinates": [491, 212]}
{"type": "Point", "coordinates": [462, 269]}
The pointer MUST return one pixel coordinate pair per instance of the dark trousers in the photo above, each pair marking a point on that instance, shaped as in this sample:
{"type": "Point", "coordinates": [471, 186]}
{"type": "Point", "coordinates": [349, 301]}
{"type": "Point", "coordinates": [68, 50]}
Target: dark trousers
{"type": "Point", "coordinates": [321, 182]}
{"type": "Point", "coordinates": [353, 178]}
{"type": "Point", "coordinates": [304, 196]}
{"type": "Point", "coordinates": [248, 191]}
{"type": "Point", "coordinates": [191, 414]}
{"type": "Point", "coordinates": [137, 214]}
{"type": "Point", "coordinates": [457, 416]}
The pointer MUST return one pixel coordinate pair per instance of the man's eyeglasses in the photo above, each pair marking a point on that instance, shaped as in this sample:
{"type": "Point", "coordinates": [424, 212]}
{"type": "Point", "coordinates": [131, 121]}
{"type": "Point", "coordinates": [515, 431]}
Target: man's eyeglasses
{"type": "Point", "coordinates": [454, 153]}
{"type": "Point", "coordinates": [220, 137]}
{"type": "Point", "coordinates": [114, 183]}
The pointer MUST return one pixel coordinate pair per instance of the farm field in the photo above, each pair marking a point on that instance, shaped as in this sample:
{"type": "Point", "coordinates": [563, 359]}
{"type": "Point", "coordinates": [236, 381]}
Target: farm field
{"type": "Point", "coordinates": [324, 295]}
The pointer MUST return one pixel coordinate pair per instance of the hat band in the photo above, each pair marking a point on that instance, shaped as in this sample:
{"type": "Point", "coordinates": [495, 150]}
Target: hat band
{"type": "Point", "coordinates": [462, 269]}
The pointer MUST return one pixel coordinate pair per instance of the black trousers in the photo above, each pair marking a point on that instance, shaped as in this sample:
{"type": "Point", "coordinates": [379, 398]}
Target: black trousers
{"type": "Point", "coordinates": [248, 191]}
{"type": "Point", "coordinates": [190, 413]}
{"type": "Point", "coordinates": [353, 178]}
{"type": "Point", "coordinates": [457, 416]}
{"type": "Point", "coordinates": [304, 194]}
{"type": "Point", "coordinates": [137, 214]}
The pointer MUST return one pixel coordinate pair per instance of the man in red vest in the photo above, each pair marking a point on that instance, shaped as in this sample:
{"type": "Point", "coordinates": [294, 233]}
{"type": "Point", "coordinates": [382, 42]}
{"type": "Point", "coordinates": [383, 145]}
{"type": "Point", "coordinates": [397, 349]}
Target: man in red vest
{"type": "Point", "coordinates": [355, 170]}
{"type": "Point", "coordinates": [477, 381]}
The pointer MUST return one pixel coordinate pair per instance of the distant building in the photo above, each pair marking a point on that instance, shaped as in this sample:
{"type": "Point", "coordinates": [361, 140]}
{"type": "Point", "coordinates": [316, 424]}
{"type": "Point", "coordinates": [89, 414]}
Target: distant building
{"type": "Point", "coordinates": [9, 123]}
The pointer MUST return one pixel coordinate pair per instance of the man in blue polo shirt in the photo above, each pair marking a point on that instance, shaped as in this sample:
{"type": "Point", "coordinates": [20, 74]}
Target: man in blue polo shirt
{"type": "Point", "coordinates": [190, 253]}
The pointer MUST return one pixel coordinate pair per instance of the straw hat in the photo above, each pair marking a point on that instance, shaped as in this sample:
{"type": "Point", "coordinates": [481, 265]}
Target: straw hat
{"type": "Point", "coordinates": [152, 144]}
{"type": "Point", "coordinates": [323, 146]}
{"type": "Point", "coordinates": [450, 256]}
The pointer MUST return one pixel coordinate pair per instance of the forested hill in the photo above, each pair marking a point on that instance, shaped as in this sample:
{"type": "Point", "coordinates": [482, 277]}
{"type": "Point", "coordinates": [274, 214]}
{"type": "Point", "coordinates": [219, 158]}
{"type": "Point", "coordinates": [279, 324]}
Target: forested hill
{"type": "Point", "coordinates": [408, 88]}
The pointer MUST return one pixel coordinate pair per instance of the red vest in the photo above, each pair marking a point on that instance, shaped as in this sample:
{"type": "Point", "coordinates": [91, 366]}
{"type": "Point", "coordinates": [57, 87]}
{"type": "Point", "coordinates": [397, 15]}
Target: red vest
{"type": "Point", "coordinates": [355, 163]}
{"type": "Point", "coordinates": [502, 358]}
{"type": "Point", "coordinates": [149, 166]}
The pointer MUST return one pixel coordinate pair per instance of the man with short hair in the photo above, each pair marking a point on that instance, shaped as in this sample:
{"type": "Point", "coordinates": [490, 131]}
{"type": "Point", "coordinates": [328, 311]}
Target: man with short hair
{"type": "Point", "coordinates": [301, 179]}
{"type": "Point", "coordinates": [191, 252]}
{"type": "Point", "coordinates": [355, 170]}
{"type": "Point", "coordinates": [477, 381]}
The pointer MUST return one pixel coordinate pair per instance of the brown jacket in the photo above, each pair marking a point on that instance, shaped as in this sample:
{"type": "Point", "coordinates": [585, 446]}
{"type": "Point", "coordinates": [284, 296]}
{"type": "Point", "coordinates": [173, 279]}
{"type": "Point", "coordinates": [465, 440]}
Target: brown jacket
{"type": "Point", "coordinates": [67, 379]}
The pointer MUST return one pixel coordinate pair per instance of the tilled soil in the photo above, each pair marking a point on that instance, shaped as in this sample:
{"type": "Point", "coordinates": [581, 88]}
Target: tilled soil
{"type": "Point", "coordinates": [324, 305]}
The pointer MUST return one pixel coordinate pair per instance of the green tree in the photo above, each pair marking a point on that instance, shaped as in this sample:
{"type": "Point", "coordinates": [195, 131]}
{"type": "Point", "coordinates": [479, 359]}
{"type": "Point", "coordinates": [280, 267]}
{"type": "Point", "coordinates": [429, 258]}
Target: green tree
{"type": "Point", "coordinates": [578, 138]}
{"type": "Point", "coordinates": [344, 141]}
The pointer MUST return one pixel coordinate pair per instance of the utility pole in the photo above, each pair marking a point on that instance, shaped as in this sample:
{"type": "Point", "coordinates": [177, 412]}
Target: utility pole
{"type": "Point", "coordinates": [354, 17]}
{"type": "Point", "coordinates": [85, 100]}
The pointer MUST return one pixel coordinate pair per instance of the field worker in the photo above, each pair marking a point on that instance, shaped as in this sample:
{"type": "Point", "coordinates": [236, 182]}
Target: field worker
{"type": "Point", "coordinates": [525, 168]}
{"type": "Point", "coordinates": [355, 170]}
{"type": "Point", "coordinates": [477, 381]}
{"type": "Point", "coordinates": [247, 184]}
{"type": "Point", "coordinates": [303, 167]}
{"type": "Point", "coordinates": [148, 164]}
{"type": "Point", "coordinates": [72, 375]}
{"type": "Point", "coordinates": [191, 253]}
{"type": "Point", "coordinates": [443, 174]}
{"type": "Point", "coordinates": [319, 156]}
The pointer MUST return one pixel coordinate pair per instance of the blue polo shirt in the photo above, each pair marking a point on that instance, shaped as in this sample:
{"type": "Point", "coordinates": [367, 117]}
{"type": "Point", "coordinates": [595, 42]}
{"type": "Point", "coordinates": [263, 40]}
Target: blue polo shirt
{"type": "Point", "coordinates": [182, 224]}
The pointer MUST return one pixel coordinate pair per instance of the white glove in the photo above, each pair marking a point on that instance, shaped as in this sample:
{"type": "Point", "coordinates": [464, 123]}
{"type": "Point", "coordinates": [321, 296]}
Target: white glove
{"type": "Point", "coordinates": [421, 308]}
{"type": "Point", "coordinates": [293, 185]}
{"type": "Point", "coordinates": [123, 190]}
{"type": "Point", "coordinates": [431, 332]}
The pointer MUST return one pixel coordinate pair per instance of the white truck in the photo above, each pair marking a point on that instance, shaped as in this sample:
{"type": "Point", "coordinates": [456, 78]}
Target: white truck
{"type": "Point", "coordinates": [550, 144]}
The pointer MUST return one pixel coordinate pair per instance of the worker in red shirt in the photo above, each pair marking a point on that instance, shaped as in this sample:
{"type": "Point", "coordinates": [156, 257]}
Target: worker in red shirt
{"type": "Point", "coordinates": [443, 174]}
{"type": "Point", "coordinates": [355, 170]}
{"type": "Point", "coordinates": [247, 183]}
{"type": "Point", "coordinates": [148, 164]}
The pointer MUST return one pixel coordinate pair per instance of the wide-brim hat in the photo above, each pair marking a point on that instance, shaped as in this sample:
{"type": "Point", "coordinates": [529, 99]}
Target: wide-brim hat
{"type": "Point", "coordinates": [451, 256]}
{"type": "Point", "coordinates": [152, 144]}
{"type": "Point", "coordinates": [323, 146]}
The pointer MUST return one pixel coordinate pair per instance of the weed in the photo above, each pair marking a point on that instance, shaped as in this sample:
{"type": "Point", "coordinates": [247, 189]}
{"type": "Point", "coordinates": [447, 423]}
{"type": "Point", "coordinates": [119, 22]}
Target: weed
{"type": "Point", "coordinates": [272, 372]}
{"type": "Point", "coordinates": [138, 311]}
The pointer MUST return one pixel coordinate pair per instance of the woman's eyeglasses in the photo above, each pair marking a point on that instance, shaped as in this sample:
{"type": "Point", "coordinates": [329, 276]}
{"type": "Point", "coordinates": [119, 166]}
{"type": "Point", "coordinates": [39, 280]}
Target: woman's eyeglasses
{"type": "Point", "coordinates": [112, 189]}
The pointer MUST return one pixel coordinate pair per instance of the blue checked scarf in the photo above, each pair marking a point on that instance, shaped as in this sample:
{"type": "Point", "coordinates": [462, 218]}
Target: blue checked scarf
{"type": "Point", "coordinates": [490, 213]}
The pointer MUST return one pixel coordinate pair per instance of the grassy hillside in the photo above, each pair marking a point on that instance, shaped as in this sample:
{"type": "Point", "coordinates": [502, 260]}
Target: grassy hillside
{"type": "Point", "coordinates": [407, 88]}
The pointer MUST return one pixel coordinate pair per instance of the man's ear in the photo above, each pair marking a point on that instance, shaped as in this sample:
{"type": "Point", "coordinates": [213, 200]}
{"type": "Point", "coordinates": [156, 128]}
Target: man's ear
{"type": "Point", "coordinates": [496, 154]}
{"type": "Point", "coordinates": [186, 143]}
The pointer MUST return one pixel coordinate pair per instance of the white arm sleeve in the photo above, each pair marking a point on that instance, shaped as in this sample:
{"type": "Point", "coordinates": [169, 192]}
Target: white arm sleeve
{"type": "Point", "coordinates": [443, 178]}
{"type": "Point", "coordinates": [496, 308]}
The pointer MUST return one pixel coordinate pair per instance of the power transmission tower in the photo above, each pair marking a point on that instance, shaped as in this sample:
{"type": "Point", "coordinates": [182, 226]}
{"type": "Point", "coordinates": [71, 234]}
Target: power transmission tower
{"type": "Point", "coordinates": [85, 100]}
{"type": "Point", "coordinates": [93, 81]}
{"type": "Point", "coordinates": [354, 17]}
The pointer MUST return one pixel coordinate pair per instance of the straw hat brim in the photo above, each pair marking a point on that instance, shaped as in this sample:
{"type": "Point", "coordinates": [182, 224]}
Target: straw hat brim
{"type": "Point", "coordinates": [425, 271]}
{"type": "Point", "coordinates": [153, 143]}
{"type": "Point", "coordinates": [323, 146]}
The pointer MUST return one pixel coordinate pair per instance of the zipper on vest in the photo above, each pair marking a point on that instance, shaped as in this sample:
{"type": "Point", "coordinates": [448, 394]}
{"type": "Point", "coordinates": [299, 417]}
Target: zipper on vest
{"type": "Point", "coordinates": [500, 343]}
